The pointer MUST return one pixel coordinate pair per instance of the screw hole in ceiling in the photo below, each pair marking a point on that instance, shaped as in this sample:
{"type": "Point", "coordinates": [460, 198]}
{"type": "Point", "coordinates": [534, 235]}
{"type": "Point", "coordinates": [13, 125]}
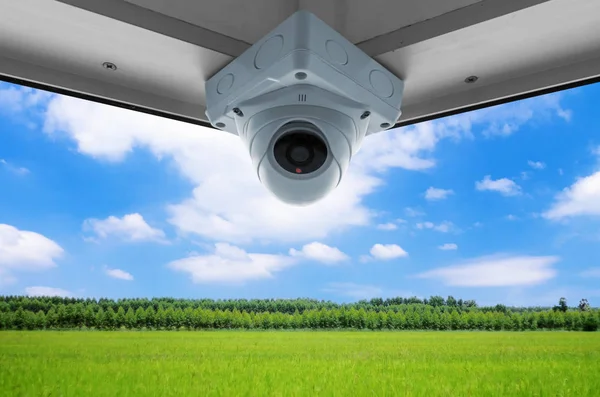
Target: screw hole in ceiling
{"type": "Point", "coordinates": [109, 66]}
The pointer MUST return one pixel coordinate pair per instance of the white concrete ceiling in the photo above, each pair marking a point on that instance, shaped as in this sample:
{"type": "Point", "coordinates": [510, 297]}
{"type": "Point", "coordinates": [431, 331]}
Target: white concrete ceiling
{"type": "Point", "coordinates": [165, 50]}
{"type": "Point", "coordinates": [357, 20]}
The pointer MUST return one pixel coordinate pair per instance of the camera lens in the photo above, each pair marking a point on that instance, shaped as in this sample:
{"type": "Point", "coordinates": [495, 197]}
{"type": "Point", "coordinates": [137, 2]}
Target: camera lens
{"type": "Point", "coordinates": [300, 149]}
{"type": "Point", "coordinates": [299, 154]}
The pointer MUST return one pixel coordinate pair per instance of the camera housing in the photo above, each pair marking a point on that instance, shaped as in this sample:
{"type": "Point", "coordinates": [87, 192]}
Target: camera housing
{"type": "Point", "coordinates": [302, 99]}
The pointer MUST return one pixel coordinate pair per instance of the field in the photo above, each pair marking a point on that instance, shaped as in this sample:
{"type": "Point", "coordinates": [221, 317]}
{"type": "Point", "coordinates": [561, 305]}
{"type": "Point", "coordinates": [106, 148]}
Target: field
{"type": "Point", "coordinates": [49, 363]}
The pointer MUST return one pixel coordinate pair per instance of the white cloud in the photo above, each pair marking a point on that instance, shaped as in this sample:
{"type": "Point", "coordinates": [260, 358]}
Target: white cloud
{"type": "Point", "coordinates": [6, 278]}
{"type": "Point", "coordinates": [320, 252]}
{"type": "Point", "coordinates": [228, 202]}
{"type": "Point", "coordinates": [580, 199]}
{"type": "Point", "coordinates": [425, 225]}
{"type": "Point", "coordinates": [47, 291]}
{"type": "Point", "coordinates": [14, 169]}
{"type": "Point", "coordinates": [560, 171]}
{"type": "Point", "coordinates": [413, 212]}
{"type": "Point", "coordinates": [387, 226]}
{"type": "Point", "coordinates": [504, 186]}
{"type": "Point", "coordinates": [507, 119]}
{"type": "Point", "coordinates": [18, 99]}
{"type": "Point", "coordinates": [496, 271]}
{"type": "Point", "coordinates": [409, 148]}
{"type": "Point", "coordinates": [23, 105]}
{"type": "Point", "coordinates": [511, 217]}
{"type": "Point", "coordinates": [229, 264]}
{"type": "Point", "coordinates": [355, 291]}
{"type": "Point", "coordinates": [448, 247]}
{"type": "Point", "coordinates": [433, 194]}
{"type": "Point", "coordinates": [118, 274]}
{"type": "Point", "coordinates": [565, 114]}
{"type": "Point", "coordinates": [387, 251]}
{"type": "Point", "coordinates": [443, 227]}
{"type": "Point", "coordinates": [536, 165]}
{"type": "Point", "coordinates": [131, 227]}
{"type": "Point", "coordinates": [593, 272]}
{"type": "Point", "coordinates": [22, 250]}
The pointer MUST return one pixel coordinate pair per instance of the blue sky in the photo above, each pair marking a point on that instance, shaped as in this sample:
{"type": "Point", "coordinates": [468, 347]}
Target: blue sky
{"type": "Point", "coordinates": [497, 205]}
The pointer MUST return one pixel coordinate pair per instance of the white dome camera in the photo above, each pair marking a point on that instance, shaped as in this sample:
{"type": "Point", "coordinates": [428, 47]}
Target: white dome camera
{"type": "Point", "coordinates": [302, 99]}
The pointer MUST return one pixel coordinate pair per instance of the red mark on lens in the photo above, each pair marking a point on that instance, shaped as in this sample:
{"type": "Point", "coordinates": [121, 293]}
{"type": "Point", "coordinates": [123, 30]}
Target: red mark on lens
{"type": "Point", "coordinates": [298, 171]}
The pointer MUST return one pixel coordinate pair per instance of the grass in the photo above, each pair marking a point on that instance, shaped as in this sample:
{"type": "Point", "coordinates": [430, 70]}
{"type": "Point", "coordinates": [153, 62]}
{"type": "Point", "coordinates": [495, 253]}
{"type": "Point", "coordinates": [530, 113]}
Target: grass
{"type": "Point", "coordinates": [258, 364]}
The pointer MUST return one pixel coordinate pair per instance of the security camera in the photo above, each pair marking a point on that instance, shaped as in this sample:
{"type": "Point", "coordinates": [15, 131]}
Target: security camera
{"type": "Point", "coordinates": [302, 99]}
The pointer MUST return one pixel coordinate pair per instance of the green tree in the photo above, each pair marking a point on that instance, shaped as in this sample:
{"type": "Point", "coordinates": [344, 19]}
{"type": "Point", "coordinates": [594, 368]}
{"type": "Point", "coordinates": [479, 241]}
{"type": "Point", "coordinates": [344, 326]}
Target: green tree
{"type": "Point", "coordinates": [5, 320]}
{"type": "Point", "coordinates": [29, 320]}
{"type": "Point", "coordinates": [571, 321]}
{"type": "Point", "coordinates": [61, 314]}
{"type": "Point", "coordinates": [51, 319]}
{"type": "Point", "coordinates": [40, 320]}
{"type": "Point", "coordinates": [445, 321]}
{"type": "Point", "coordinates": [120, 318]}
{"type": "Point", "coordinates": [456, 322]}
{"type": "Point", "coordinates": [376, 302]}
{"type": "Point", "coordinates": [562, 305]}
{"type": "Point", "coordinates": [372, 320]}
{"type": "Point", "coordinates": [77, 315]}
{"type": "Point", "coordinates": [417, 321]}
{"type": "Point", "coordinates": [178, 320]}
{"type": "Point", "coordinates": [410, 322]}
{"type": "Point", "coordinates": [427, 319]}
{"type": "Point", "coordinates": [533, 321]}
{"type": "Point", "coordinates": [470, 303]}
{"type": "Point", "coordinates": [160, 319]}
{"type": "Point", "coordinates": [140, 318]}
{"type": "Point", "coordinates": [450, 301]}
{"type": "Point", "coordinates": [584, 306]}
{"type": "Point", "coordinates": [150, 317]}
{"type": "Point", "coordinates": [209, 318]}
{"type": "Point", "coordinates": [89, 317]}
{"type": "Point", "coordinates": [399, 320]}
{"type": "Point", "coordinates": [110, 318]}
{"type": "Point", "coordinates": [590, 322]}
{"type": "Point", "coordinates": [100, 318]}
{"type": "Point", "coordinates": [247, 320]}
{"type": "Point", "coordinates": [19, 319]}
{"type": "Point", "coordinates": [130, 319]}
{"type": "Point", "coordinates": [501, 308]}
{"type": "Point", "coordinates": [559, 319]}
{"type": "Point", "coordinates": [436, 301]}
{"type": "Point", "coordinates": [542, 320]}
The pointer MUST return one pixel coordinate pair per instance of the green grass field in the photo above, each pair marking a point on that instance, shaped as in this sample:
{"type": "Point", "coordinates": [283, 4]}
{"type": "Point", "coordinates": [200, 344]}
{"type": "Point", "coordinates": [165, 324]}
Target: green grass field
{"type": "Point", "coordinates": [299, 364]}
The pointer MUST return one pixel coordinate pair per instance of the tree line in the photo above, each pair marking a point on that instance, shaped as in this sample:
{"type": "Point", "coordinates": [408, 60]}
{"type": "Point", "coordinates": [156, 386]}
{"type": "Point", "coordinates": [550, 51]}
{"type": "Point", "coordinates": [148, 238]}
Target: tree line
{"type": "Point", "coordinates": [11, 303]}
{"type": "Point", "coordinates": [289, 306]}
{"type": "Point", "coordinates": [31, 313]}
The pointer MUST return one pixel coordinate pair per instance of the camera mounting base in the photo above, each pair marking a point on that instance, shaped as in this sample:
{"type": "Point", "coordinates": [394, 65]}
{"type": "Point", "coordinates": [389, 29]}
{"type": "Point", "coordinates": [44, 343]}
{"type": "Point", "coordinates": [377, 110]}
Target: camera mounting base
{"type": "Point", "coordinates": [304, 50]}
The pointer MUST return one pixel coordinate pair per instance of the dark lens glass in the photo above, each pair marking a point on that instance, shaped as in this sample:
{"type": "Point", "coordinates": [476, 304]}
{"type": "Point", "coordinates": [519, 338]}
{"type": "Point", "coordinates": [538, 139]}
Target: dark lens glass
{"type": "Point", "coordinates": [300, 152]}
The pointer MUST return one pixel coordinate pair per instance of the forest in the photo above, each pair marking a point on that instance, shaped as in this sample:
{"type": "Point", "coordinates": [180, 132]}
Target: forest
{"type": "Point", "coordinates": [435, 313]}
